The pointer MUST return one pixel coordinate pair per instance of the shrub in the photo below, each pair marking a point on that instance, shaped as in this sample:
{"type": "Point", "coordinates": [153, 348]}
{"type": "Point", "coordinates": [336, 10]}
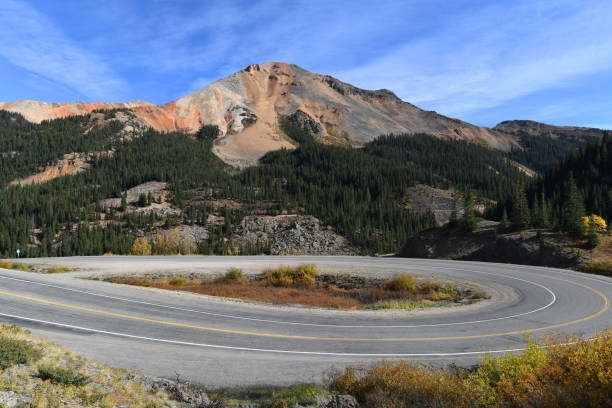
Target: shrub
{"type": "Point", "coordinates": [287, 275]}
{"type": "Point", "coordinates": [402, 283]}
{"type": "Point", "coordinates": [14, 352]}
{"type": "Point", "coordinates": [6, 264]}
{"type": "Point", "coordinates": [234, 274]}
{"type": "Point", "coordinates": [568, 372]}
{"type": "Point", "coordinates": [63, 376]}
{"type": "Point", "coordinates": [178, 280]}
{"type": "Point", "coordinates": [599, 266]}
{"type": "Point", "coordinates": [595, 222]}
{"type": "Point", "coordinates": [403, 384]}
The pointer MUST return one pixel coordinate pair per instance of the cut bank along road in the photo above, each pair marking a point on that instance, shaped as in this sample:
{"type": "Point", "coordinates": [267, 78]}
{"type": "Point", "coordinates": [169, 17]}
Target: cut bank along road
{"type": "Point", "coordinates": [219, 343]}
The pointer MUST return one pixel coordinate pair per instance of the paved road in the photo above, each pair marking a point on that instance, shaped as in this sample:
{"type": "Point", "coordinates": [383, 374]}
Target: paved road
{"type": "Point", "coordinates": [220, 343]}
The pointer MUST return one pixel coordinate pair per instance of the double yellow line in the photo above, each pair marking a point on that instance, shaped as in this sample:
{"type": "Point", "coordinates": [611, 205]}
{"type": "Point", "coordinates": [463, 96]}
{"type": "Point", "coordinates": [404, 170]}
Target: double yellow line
{"type": "Point", "coordinates": [364, 339]}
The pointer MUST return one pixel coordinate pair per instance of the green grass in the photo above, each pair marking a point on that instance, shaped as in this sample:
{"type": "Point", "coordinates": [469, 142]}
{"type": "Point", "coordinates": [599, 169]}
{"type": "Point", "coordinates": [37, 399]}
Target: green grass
{"type": "Point", "coordinates": [400, 304]}
{"type": "Point", "coordinates": [62, 376]}
{"type": "Point", "coordinates": [285, 397]}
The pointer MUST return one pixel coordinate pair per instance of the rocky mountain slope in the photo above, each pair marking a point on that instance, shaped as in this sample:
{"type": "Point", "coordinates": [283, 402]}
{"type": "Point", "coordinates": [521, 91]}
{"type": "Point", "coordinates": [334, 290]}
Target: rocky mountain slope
{"type": "Point", "coordinates": [247, 105]}
{"type": "Point", "coordinates": [533, 128]}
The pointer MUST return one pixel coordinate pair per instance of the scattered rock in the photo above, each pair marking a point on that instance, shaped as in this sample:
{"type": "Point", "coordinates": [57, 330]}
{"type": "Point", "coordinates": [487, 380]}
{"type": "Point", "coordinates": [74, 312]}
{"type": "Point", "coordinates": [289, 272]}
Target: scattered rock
{"type": "Point", "coordinates": [182, 392]}
{"type": "Point", "coordinates": [291, 235]}
{"type": "Point", "coordinates": [336, 401]}
{"type": "Point", "coordinates": [8, 399]}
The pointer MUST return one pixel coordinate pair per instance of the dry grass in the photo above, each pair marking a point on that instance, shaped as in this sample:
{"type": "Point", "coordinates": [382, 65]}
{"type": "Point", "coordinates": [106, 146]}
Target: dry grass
{"type": "Point", "coordinates": [58, 269]}
{"type": "Point", "coordinates": [602, 266]}
{"type": "Point", "coordinates": [297, 285]}
{"type": "Point", "coordinates": [13, 265]}
{"type": "Point", "coordinates": [63, 384]}
{"type": "Point", "coordinates": [575, 375]}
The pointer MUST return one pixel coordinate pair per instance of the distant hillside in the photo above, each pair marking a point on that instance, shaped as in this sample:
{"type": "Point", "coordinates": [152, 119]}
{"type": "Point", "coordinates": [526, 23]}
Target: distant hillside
{"type": "Point", "coordinates": [533, 128]}
{"type": "Point", "coordinates": [541, 145]}
{"type": "Point", "coordinates": [247, 106]}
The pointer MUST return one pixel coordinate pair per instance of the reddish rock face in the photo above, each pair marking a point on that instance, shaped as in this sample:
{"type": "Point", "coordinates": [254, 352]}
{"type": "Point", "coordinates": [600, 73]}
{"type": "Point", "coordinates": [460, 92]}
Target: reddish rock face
{"type": "Point", "coordinates": [247, 105]}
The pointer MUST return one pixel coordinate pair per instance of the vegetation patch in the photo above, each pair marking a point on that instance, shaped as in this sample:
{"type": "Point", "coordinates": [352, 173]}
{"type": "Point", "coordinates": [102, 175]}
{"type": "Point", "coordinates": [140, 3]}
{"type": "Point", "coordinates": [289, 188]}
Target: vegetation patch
{"type": "Point", "coordinates": [559, 372]}
{"type": "Point", "coordinates": [14, 265]}
{"type": "Point", "coordinates": [304, 285]}
{"type": "Point", "coordinates": [13, 352]}
{"type": "Point", "coordinates": [63, 378]}
{"type": "Point", "coordinates": [279, 397]}
{"type": "Point", "coordinates": [599, 266]}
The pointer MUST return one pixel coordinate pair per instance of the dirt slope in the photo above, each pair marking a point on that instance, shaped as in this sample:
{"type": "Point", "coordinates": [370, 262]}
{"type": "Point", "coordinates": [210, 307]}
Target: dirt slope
{"type": "Point", "coordinates": [247, 104]}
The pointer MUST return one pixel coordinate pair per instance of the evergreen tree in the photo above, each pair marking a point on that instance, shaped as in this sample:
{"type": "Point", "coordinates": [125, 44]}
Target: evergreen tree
{"type": "Point", "coordinates": [519, 215]}
{"type": "Point", "coordinates": [454, 216]}
{"type": "Point", "coordinates": [469, 219]}
{"type": "Point", "coordinates": [573, 209]}
{"type": "Point", "coordinates": [505, 222]}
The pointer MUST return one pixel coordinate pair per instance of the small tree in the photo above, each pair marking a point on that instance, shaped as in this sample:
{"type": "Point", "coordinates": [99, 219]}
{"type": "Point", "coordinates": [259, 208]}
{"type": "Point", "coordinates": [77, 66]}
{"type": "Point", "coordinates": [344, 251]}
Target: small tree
{"type": "Point", "coordinates": [469, 219]}
{"type": "Point", "coordinates": [141, 246]}
{"type": "Point", "coordinates": [505, 222]}
{"type": "Point", "coordinates": [142, 200]}
{"type": "Point", "coordinates": [520, 208]}
{"type": "Point", "coordinates": [592, 234]}
{"type": "Point", "coordinates": [454, 216]}
{"type": "Point", "coordinates": [573, 209]}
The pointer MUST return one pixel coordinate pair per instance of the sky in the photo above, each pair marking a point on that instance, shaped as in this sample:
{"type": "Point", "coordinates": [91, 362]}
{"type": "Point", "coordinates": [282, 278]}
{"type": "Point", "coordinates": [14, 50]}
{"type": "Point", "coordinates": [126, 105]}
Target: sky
{"type": "Point", "coordinates": [481, 61]}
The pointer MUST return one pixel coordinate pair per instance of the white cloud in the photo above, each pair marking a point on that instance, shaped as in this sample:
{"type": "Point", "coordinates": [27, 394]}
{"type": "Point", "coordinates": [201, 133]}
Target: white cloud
{"type": "Point", "coordinates": [513, 53]}
{"type": "Point", "coordinates": [33, 42]}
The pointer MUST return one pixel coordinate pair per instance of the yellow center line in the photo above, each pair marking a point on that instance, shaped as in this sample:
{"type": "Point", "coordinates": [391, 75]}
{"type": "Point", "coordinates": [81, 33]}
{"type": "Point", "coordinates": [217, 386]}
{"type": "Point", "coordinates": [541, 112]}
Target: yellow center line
{"type": "Point", "coordinates": [284, 336]}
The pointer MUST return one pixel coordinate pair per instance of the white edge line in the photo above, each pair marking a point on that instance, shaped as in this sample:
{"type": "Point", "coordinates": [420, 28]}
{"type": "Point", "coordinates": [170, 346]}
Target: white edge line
{"type": "Point", "coordinates": [318, 353]}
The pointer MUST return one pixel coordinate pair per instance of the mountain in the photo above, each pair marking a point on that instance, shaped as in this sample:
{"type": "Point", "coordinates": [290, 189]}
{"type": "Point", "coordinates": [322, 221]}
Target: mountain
{"type": "Point", "coordinates": [247, 106]}
{"type": "Point", "coordinates": [533, 128]}
{"type": "Point", "coordinates": [541, 145]}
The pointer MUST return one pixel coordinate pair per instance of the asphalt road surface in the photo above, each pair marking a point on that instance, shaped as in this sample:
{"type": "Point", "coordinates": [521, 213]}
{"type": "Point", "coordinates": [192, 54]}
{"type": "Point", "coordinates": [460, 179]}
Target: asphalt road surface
{"type": "Point", "coordinates": [226, 344]}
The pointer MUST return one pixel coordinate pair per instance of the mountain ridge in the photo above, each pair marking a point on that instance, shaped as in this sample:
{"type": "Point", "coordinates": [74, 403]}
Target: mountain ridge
{"type": "Point", "coordinates": [247, 106]}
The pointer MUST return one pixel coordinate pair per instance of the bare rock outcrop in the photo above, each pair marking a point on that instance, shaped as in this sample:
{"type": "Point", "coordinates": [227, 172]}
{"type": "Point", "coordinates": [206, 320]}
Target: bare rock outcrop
{"type": "Point", "coordinates": [291, 235]}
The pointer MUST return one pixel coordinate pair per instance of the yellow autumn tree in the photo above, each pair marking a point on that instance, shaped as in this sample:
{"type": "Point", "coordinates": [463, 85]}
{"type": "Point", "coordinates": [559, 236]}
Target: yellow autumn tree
{"type": "Point", "coordinates": [141, 246]}
{"type": "Point", "coordinates": [595, 220]}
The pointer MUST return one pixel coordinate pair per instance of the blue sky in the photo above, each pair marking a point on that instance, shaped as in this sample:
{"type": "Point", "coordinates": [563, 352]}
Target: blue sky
{"type": "Point", "coordinates": [481, 61]}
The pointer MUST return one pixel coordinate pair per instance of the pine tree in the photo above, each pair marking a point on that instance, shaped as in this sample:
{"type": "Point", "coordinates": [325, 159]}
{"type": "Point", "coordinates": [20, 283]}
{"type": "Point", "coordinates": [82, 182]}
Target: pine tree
{"type": "Point", "coordinates": [519, 215]}
{"type": "Point", "coordinates": [469, 220]}
{"type": "Point", "coordinates": [454, 216]}
{"type": "Point", "coordinates": [505, 222]}
{"type": "Point", "coordinates": [573, 209]}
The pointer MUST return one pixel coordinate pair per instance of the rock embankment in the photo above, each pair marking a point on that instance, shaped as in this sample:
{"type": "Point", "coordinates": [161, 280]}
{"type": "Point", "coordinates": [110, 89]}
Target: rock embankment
{"type": "Point", "coordinates": [291, 235]}
{"type": "Point", "coordinates": [488, 245]}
